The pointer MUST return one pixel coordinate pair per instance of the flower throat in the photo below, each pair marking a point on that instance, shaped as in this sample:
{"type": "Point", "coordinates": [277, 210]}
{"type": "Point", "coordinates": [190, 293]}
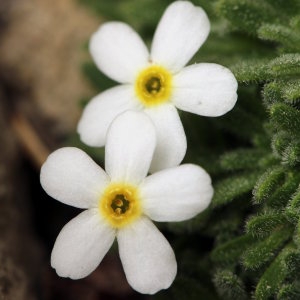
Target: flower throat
{"type": "Point", "coordinates": [120, 204]}
{"type": "Point", "coordinates": [153, 85]}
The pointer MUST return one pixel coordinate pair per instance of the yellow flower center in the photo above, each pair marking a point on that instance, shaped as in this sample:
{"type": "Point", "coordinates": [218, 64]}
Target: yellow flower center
{"type": "Point", "coordinates": [120, 204]}
{"type": "Point", "coordinates": [153, 85]}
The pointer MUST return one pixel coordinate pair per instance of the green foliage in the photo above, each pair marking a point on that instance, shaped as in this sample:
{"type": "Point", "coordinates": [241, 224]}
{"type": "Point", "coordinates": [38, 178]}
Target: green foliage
{"type": "Point", "coordinates": [285, 117]}
{"type": "Point", "coordinates": [246, 15]}
{"type": "Point", "coordinates": [289, 291]}
{"type": "Point", "coordinates": [230, 286]}
{"type": "Point", "coordinates": [284, 35]}
{"type": "Point", "coordinates": [231, 188]}
{"type": "Point", "coordinates": [274, 276]}
{"type": "Point", "coordinates": [293, 208]}
{"type": "Point", "coordinates": [267, 184]}
{"type": "Point", "coordinates": [251, 232]}
{"type": "Point", "coordinates": [279, 142]}
{"type": "Point", "coordinates": [291, 92]}
{"type": "Point", "coordinates": [249, 71]}
{"type": "Point", "coordinates": [263, 224]}
{"type": "Point", "coordinates": [265, 250]}
{"type": "Point", "coordinates": [230, 251]}
{"type": "Point", "coordinates": [284, 192]}
{"type": "Point", "coordinates": [138, 13]}
{"type": "Point", "coordinates": [297, 234]}
{"type": "Point", "coordinates": [241, 159]}
{"type": "Point", "coordinates": [276, 191]}
{"type": "Point", "coordinates": [285, 65]}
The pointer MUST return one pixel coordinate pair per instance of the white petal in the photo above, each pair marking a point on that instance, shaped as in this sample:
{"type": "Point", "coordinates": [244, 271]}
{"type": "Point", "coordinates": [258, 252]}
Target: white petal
{"type": "Point", "coordinates": [72, 177]}
{"type": "Point", "coordinates": [176, 194]}
{"type": "Point", "coordinates": [81, 245]}
{"type": "Point", "coordinates": [171, 139]}
{"type": "Point", "coordinates": [147, 257]}
{"type": "Point", "coordinates": [101, 111]}
{"type": "Point", "coordinates": [181, 31]}
{"type": "Point", "coordinates": [118, 51]}
{"type": "Point", "coordinates": [131, 141]}
{"type": "Point", "coordinates": [205, 89]}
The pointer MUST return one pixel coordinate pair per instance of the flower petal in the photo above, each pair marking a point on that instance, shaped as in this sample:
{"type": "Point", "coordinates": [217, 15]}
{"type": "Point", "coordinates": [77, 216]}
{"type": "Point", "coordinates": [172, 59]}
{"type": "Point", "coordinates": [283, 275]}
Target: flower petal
{"type": "Point", "coordinates": [205, 89]}
{"type": "Point", "coordinates": [181, 31]}
{"type": "Point", "coordinates": [176, 194]}
{"type": "Point", "coordinates": [147, 257]}
{"type": "Point", "coordinates": [72, 177]}
{"type": "Point", "coordinates": [81, 245]}
{"type": "Point", "coordinates": [118, 51]}
{"type": "Point", "coordinates": [171, 139]}
{"type": "Point", "coordinates": [131, 141]}
{"type": "Point", "coordinates": [101, 111]}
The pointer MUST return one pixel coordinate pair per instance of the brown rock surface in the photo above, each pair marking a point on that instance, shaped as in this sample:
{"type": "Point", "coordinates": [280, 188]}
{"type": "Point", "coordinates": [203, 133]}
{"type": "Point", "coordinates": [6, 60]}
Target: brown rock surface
{"type": "Point", "coordinates": [42, 43]}
{"type": "Point", "coordinates": [20, 253]}
{"type": "Point", "coordinates": [41, 49]}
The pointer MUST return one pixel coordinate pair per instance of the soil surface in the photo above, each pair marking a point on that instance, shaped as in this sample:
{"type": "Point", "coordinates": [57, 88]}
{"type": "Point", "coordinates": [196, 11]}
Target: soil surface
{"type": "Point", "coordinates": [42, 47]}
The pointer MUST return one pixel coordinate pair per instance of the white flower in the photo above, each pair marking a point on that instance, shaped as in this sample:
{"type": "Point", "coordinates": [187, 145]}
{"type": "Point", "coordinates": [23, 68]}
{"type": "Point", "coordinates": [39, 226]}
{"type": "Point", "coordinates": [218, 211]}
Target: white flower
{"type": "Point", "coordinates": [157, 82]}
{"type": "Point", "coordinates": [120, 203]}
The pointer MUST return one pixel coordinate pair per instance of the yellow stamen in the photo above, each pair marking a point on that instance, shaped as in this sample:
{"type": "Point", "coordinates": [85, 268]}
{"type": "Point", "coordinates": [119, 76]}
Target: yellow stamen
{"type": "Point", "coordinates": [153, 85]}
{"type": "Point", "coordinates": [120, 204]}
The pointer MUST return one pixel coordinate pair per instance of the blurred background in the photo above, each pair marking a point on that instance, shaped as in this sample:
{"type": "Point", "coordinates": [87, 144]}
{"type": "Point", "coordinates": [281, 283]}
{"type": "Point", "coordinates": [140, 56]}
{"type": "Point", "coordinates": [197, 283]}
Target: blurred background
{"type": "Point", "coordinates": [237, 247]}
{"type": "Point", "coordinates": [46, 77]}
{"type": "Point", "coordinates": [43, 45]}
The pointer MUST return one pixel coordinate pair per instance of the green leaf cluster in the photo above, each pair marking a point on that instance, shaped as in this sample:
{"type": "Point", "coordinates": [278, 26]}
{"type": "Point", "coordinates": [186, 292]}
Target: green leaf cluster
{"type": "Point", "coordinates": [264, 253]}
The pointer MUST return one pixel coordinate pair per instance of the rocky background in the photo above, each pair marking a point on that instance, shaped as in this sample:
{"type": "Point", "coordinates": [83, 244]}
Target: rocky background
{"type": "Point", "coordinates": [42, 47]}
{"type": "Point", "coordinates": [246, 245]}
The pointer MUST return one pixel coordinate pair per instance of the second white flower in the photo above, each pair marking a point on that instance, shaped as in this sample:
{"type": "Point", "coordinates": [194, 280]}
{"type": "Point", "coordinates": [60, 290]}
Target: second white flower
{"type": "Point", "coordinates": [120, 203]}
